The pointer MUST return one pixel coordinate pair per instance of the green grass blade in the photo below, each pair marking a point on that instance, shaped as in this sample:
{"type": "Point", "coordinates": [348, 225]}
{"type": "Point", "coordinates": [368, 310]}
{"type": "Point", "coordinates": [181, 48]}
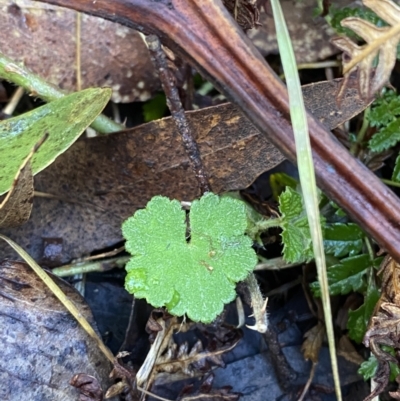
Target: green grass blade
{"type": "Point", "coordinates": [306, 172]}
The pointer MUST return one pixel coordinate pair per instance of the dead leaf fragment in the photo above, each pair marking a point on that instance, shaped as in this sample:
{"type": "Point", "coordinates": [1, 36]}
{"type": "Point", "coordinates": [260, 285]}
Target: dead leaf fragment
{"type": "Point", "coordinates": [245, 12]}
{"type": "Point", "coordinates": [89, 387]}
{"type": "Point", "coordinates": [44, 38]}
{"type": "Point", "coordinates": [46, 346]}
{"type": "Point", "coordinates": [379, 40]}
{"type": "Point", "coordinates": [310, 35]}
{"type": "Point", "coordinates": [207, 393]}
{"type": "Point", "coordinates": [16, 206]}
{"type": "Point", "coordinates": [347, 350]}
{"type": "Point", "coordinates": [384, 325]}
{"type": "Point", "coordinates": [313, 342]}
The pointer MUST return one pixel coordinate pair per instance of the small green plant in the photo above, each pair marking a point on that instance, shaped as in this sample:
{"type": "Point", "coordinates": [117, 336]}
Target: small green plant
{"type": "Point", "coordinates": [385, 116]}
{"type": "Point", "coordinates": [191, 269]}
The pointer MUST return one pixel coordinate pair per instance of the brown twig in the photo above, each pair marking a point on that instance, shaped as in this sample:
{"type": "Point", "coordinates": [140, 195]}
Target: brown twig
{"type": "Point", "coordinates": [178, 114]}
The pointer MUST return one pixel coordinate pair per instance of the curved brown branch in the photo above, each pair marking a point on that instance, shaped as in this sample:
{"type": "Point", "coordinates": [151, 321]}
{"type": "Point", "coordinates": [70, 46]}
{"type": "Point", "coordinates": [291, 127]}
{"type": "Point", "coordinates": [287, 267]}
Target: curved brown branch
{"type": "Point", "coordinates": [204, 32]}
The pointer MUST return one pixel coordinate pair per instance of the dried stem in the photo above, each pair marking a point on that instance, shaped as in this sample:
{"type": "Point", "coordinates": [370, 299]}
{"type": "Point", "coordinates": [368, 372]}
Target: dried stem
{"type": "Point", "coordinates": [178, 114]}
{"type": "Point", "coordinates": [36, 86]}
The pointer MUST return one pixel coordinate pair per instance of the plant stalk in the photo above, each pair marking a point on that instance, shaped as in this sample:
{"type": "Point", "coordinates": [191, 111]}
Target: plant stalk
{"type": "Point", "coordinates": [36, 86]}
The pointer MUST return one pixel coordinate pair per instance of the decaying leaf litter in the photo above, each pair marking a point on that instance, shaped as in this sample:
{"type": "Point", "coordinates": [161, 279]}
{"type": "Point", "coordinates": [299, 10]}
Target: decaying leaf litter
{"type": "Point", "coordinates": [362, 281]}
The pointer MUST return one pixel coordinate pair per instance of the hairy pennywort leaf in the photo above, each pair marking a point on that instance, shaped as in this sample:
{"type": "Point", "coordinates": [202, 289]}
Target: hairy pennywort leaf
{"type": "Point", "coordinates": [379, 40]}
{"type": "Point", "coordinates": [195, 277]}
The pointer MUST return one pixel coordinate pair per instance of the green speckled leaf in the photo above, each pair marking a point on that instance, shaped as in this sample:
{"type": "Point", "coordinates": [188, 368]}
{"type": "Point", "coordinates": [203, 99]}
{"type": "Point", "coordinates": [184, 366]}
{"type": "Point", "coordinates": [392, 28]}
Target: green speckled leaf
{"type": "Point", "coordinates": [195, 277]}
{"type": "Point", "coordinates": [64, 120]}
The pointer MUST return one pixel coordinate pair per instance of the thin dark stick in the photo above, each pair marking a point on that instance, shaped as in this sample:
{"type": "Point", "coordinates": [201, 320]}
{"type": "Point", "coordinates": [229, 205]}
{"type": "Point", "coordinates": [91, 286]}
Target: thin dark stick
{"type": "Point", "coordinates": [178, 114]}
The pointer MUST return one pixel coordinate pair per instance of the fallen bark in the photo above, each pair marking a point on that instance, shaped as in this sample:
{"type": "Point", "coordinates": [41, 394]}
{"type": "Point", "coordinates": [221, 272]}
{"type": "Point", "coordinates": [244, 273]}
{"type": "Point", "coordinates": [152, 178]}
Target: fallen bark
{"type": "Point", "coordinates": [205, 33]}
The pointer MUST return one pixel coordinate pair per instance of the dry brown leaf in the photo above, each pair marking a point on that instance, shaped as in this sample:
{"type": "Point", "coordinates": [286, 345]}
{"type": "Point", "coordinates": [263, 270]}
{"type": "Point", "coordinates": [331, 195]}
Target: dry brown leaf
{"type": "Point", "coordinates": [44, 37]}
{"type": "Point", "coordinates": [382, 41]}
{"type": "Point", "coordinates": [207, 393]}
{"type": "Point", "coordinates": [347, 350]}
{"type": "Point", "coordinates": [45, 346]}
{"type": "Point", "coordinates": [320, 100]}
{"type": "Point", "coordinates": [16, 206]}
{"type": "Point", "coordinates": [100, 182]}
{"type": "Point", "coordinates": [310, 35]}
{"type": "Point", "coordinates": [245, 12]}
{"type": "Point", "coordinates": [384, 325]}
{"type": "Point", "coordinates": [313, 342]}
{"type": "Point", "coordinates": [88, 386]}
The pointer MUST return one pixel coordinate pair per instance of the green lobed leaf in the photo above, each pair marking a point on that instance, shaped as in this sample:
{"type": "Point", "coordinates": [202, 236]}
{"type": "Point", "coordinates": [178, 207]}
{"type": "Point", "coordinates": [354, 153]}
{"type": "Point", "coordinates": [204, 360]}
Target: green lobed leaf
{"type": "Point", "coordinates": [195, 277]}
{"type": "Point", "coordinates": [347, 276]}
{"type": "Point", "coordinates": [296, 237]}
{"type": "Point", "coordinates": [64, 120]}
{"type": "Point", "coordinates": [358, 319]}
{"type": "Point", "coordinates": [343, 239]}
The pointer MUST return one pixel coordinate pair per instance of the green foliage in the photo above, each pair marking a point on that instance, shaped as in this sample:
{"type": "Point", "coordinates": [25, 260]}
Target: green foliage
{"type": "Point", "coordinates": [348, 275]}
{"type": "Point", "coordinates": [195, 277]}
{"type": "Point", "coordinates": [396, 170]}
{"type": "Point", "coordinates": [296, 237]}
{"type": "Point", "coordinates": [337, 15]}
{"type": "Point", "coordinates": [278, 183]}
{"type": "Point", "coordinates": [384, 115]}
{"type": "Point", "coordinates": [64, 120]}
{"type": "Point", "coordinates": [369, 367]}
{"type": "Point", "coordinates": [359, 318]}
{"type": "Point", "coordinates": [343, 239]}
{"type": "Point", "coordinates": [155, 108]}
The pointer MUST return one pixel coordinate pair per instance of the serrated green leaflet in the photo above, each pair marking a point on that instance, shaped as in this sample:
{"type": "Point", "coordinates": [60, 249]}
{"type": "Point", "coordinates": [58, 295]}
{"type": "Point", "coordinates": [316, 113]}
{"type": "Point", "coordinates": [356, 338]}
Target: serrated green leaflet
{"type": "Point", "coordinates": [348, 275]}
{"type": "Point", "coordinates": [195, 277]}
{"type": "Point", "coordinates": [384, 115]}
{"type": "Point", "coordinates": [386, 137]}
{"type": "Point", "coordinates": [343, 239]}
{"type": "Point", "coordinates": [64, 120]}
